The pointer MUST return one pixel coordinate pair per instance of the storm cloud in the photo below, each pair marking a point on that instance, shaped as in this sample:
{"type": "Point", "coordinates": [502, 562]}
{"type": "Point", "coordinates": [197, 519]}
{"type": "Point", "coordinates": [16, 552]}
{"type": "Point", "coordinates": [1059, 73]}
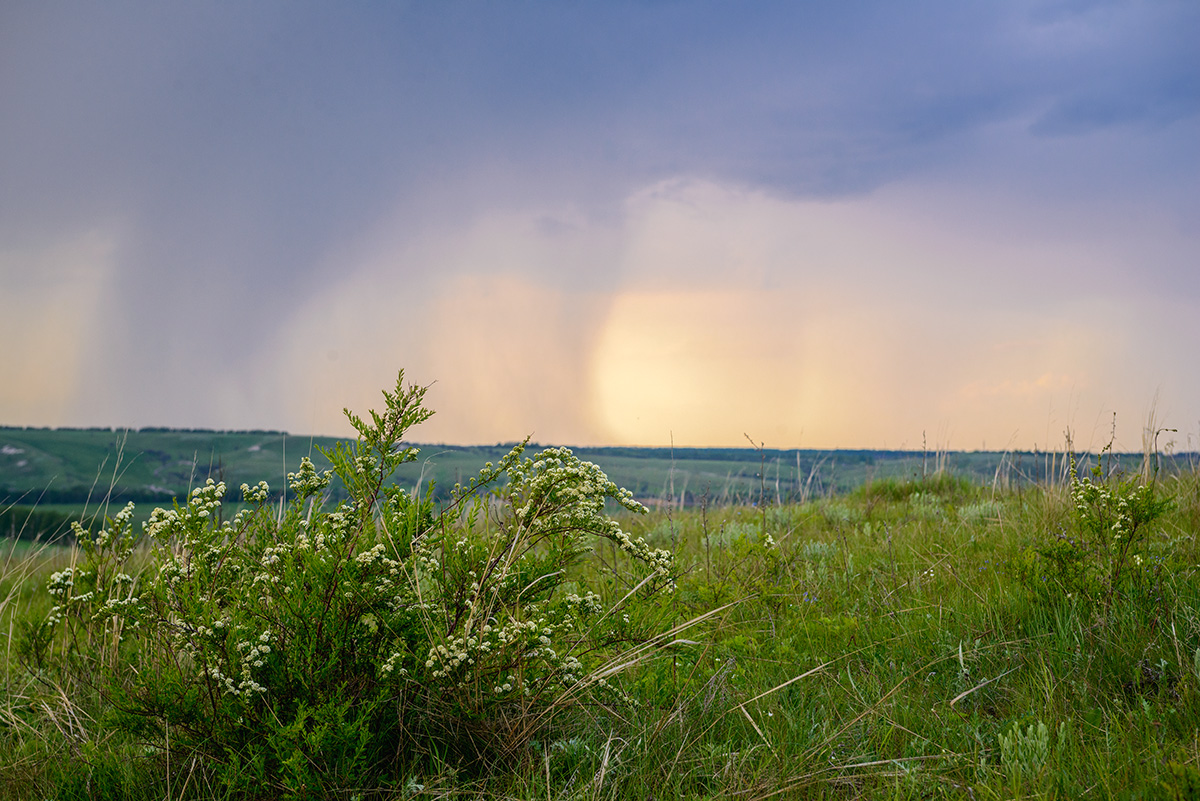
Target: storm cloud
{"type": "Point", "coordinates": [868, 219]}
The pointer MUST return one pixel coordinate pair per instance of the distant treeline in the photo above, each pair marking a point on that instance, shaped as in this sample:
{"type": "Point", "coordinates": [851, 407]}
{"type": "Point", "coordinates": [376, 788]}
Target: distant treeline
{"type": "Point", "coordinates": [740, 454]}
{"type": "Point", "coordinates": [160, 464]}
{"type": "Point", "coordinates": [81, 494]}
{"type": "Point", "coordinates": [153, 430]}
{"type": "Point", "coordinates": [31, 523]}
{"type": "Point", "coordinates": [117, 495]}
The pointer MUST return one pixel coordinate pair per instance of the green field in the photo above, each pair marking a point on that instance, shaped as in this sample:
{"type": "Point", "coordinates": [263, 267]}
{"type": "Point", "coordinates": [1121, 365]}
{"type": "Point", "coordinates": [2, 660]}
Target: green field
{"type": "Point", "coordinates": [78, 471]}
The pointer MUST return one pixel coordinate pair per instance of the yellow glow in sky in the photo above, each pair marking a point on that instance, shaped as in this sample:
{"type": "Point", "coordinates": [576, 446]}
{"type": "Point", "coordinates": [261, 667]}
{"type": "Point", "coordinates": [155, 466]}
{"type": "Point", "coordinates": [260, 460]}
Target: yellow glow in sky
{"type": "Point", "coordinates": [706, 313]}
{"type": "Point", "coordinates": [701, 367]}
{"type": "Point", "coordinates": [725, 312]}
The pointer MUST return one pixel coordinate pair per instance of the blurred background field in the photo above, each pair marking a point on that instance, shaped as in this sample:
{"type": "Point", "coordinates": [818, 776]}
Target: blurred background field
{"type": "Point", "coordinates": [51, 476]}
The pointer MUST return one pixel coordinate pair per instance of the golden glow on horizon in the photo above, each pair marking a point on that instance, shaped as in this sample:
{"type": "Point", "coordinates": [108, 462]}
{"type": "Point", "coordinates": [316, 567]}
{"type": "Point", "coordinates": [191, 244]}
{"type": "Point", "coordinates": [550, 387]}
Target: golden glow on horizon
{"type": "Point", "coordinates": [703, 314]}
{"type": "Point", "coordinates": [512, 360]}
{"type": "Point", "coordinates": [799, 323]}
{"type": "Point", "coordinates": [699, 367]}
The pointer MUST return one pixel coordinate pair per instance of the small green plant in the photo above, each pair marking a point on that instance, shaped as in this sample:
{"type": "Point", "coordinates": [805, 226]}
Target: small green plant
{"type": "Point", "coordinates": [1097, 558]}
{"type": "Point", "coordinates": [1182, 782]}
{"type": "Point", "coordinates": [1025, 753]}
{"type": "Point", "coordinates": [308, 650]}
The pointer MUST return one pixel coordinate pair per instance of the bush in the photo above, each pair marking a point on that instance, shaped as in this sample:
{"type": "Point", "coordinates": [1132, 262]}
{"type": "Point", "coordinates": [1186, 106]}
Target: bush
{"type": "Point", "coordinates": [1097, 558]}
{"type": "Point", "coordinates": [297, 650]}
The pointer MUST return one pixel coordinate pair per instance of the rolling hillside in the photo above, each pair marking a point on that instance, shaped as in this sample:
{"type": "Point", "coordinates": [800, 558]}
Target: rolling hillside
{"type": "Point", "coordinates": [60, 469]}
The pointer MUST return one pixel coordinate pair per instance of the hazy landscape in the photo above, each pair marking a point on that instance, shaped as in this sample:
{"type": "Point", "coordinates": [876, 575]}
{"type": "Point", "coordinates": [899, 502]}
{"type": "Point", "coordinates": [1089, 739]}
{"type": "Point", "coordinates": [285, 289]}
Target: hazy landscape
{"type": "Point", "coordinates": [69, 473]}
{"type": "Point", "coordinates": [816, 405]}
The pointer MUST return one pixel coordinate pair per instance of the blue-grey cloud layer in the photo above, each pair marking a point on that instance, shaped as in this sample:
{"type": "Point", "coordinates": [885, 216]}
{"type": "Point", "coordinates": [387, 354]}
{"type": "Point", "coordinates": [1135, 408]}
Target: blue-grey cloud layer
{"type": "Point", "coordinates": [238, 145]}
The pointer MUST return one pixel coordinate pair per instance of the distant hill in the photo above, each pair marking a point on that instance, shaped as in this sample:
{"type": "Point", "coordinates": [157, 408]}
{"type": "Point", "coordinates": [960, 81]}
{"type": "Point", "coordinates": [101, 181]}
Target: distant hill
{"type": "Point", "coordinates": [72, 466]}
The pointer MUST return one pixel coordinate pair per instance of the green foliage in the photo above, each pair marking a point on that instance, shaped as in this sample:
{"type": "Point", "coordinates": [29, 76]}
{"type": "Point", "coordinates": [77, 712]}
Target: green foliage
{"type": "Point", "coordinates": [1182, 782]}
{"type": "Point", "coordinates": [942, 485]}
{"type": "Point", "coordinates": [1106, 546]}
{"type": "Point", "coordinates": [1025, 753]}
{"type": "Point", "coordinates": [306, 650]}
{"type": "Point", "coordinates": [869, 646]}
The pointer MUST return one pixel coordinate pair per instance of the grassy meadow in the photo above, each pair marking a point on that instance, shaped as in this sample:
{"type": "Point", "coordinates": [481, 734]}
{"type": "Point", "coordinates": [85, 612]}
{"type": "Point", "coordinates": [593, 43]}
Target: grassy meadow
{"type": "Point", "coordinates": [536, 632]}
{"type": "Point", "coordinates": [895, 642]}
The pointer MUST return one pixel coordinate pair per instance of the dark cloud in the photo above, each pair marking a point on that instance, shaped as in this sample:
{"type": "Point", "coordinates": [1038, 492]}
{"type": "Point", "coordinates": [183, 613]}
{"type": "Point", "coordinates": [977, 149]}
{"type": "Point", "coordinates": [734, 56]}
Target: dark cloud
{"type": "Point", "coordinates": [237, 147]}
{"type": "Point", "coordinates": [311, 117]}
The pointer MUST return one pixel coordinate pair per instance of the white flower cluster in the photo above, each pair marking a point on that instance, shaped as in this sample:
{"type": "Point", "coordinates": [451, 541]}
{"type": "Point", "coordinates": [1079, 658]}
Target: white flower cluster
{"type": "Point", "coordinates": [306, 480]}
{"type": "Point", "coordinates": [660, 561]}
{"type": "Point", "coordinates": [201, 506]}
{"type": "Point", "coordinates": [557, 479]}
{"type": "Point", "coordinates": [105, 537]}
{"type": "Point", "coordinates": [364, 465]}
{"type": "Point", "coordinates": [255, 494]}
{"type": "Point", "coordinates": [572, 670]}
{"type": "Point", "coordinates": [251, 656]}
{"type": "Point", "coordinates": [529, 643]}
{"type": "Point", "coordinates": [388, 668]}
{"type": "Point", "coordinates": [172, 571]}
{"type": "Point", "coordinates": [425, 557]}
{"type": "Point", "coordinates": [163, 523]}
{"type": "Point", "coordinates": [531, 637]}
{"type": "Point", "coordinates": [341, 522]}
{"type": "Point", "coordinates": [272, 556]}
{"type": "Point", "coordinates": [235, 525]}
{"type": "Point", "coordinates": [120, 523]}
{"type": "Point", "coordinates": [252, 651]}
{"type": "Point", "coordinates": [244, 686]}
{"type": "Point", "coordinates": [62, 586]}
{"type": "Point", "coordinates": [119, 607]}
{"type": "Point", "coordinates": [62, 583]}
{"type": "Point", "coordinates": [205, 500]}
{"type": "Point", "coordinates": [588, 604]}
{"type": "Point", "coordinates": [122, 518]}
{"type": "Point", "coordinates": [560, 494]}
{"type": "Point", "coordinates": [216, 631]}
{"type": "Point", "coordinates": [371, 554]}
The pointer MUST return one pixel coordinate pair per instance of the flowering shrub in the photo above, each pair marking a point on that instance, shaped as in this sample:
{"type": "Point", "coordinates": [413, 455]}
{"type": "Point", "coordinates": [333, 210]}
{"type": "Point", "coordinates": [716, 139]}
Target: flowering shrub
{"type": "Point", "coordinates": [305, 649]}
{"type": "Point", "coordinates": [1097, 558]}
{"type": "Point", "coordinates": [93, 601]}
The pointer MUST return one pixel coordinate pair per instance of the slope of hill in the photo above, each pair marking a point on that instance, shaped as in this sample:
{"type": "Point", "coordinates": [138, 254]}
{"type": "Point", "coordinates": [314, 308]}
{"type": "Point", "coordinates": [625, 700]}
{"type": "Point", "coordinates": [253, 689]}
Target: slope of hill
{"type": "Point", "coordinates": [71, 466]}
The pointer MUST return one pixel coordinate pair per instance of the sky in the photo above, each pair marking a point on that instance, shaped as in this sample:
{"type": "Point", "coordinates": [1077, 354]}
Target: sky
{"type": "Point", "coordinates": [963, 225]}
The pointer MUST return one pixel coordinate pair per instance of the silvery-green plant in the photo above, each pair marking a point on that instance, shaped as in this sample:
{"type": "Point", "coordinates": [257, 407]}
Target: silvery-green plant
{"type": "Point", "coordinates": [307, 649]}
{"type": "Point", "coordinates": [1025, 753]}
